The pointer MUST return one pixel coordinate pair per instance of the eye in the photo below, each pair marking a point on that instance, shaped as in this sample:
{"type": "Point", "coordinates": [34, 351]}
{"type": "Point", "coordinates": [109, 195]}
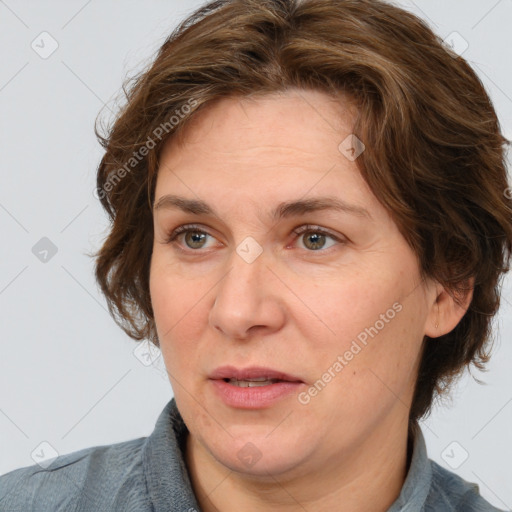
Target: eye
{"type": "Point", "coordinates": [193, 236]}
{"type": "Point", "coordinates": [315, 237]}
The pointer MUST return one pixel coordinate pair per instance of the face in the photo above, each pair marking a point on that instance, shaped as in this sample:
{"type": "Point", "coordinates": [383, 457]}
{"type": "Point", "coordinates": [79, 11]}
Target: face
{"type": "Point", "coordinates": [324, 306]}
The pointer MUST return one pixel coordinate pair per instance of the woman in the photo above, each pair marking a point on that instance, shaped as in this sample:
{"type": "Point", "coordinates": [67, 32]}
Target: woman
{"type": "Point", "coordinates": [310, 218]}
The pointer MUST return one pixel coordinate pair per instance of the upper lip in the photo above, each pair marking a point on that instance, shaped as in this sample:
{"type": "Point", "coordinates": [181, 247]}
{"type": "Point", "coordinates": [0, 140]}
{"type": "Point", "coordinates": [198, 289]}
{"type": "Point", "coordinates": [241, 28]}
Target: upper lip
{"type": "Point", "coordinates": [252, 372]}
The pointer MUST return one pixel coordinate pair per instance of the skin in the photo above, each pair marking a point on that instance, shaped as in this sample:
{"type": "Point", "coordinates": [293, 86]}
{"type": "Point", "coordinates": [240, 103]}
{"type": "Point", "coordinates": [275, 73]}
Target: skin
{"type": "Point", "coordinates": [295, 308]}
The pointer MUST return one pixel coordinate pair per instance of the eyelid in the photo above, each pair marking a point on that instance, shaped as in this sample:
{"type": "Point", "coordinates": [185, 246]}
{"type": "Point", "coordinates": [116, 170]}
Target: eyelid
{"type": "Point", "coordinates": [317, 229]}
{"type": "Point", "coordinates": [183, 229]}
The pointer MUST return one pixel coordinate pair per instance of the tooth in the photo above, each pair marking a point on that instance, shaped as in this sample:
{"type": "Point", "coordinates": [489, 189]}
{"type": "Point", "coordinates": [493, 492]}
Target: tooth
{"type": "Point", "coordinates": [251, 383]}
{"type": "Point", "coordinates": [255, 379]}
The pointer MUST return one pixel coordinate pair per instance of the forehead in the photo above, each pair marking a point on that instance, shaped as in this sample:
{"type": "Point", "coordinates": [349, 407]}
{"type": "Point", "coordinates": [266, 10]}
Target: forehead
{"type": "Point", "coordinates": [291, 119]}
{"type": "Point", "coordinates": [264, 149]}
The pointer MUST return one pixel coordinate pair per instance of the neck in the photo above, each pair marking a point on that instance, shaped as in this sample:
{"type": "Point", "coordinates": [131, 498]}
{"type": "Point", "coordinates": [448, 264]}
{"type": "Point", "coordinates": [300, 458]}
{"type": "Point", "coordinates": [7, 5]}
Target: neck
{"type": "Point", "coordinates": [366, 477]}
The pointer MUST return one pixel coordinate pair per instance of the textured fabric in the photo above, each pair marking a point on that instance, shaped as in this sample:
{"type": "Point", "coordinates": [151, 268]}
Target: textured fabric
{"type": "Point", "coordinates": [149, 474]}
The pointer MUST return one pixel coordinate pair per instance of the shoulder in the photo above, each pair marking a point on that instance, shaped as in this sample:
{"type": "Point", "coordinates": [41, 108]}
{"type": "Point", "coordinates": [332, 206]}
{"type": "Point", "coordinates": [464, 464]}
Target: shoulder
{"type": "Point", "coordinates": [98, 478]}
{"type": "Point", "coordinates": [449, 492]}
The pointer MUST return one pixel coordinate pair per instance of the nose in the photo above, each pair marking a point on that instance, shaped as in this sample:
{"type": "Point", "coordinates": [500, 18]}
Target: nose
{"type": "Point", "coordinates": [248, 299]}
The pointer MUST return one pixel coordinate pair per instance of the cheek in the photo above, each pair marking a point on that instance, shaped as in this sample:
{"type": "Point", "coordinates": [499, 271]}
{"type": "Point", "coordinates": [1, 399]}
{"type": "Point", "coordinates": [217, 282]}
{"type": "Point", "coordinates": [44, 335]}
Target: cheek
{"type": "Point", "coordinates": [366, 337]}
{"type": "Point", "coordinates": [176, 304]}
{"type": "Point", "coordinates": [345, 307]}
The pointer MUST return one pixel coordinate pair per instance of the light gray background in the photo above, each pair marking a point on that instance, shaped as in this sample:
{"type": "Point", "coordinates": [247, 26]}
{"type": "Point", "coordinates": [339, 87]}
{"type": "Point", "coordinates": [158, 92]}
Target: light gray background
{"type": "Point", "coordinates": [69, 376]}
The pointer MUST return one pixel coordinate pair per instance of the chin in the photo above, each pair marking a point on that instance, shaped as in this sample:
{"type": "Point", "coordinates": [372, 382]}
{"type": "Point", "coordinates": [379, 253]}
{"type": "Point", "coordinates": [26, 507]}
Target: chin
{"type": "Point", "coordinates": [262, 455]}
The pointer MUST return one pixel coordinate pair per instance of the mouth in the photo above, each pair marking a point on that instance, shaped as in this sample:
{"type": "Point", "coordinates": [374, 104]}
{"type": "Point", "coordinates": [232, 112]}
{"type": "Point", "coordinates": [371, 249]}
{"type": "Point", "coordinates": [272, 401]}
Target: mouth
{"type": "Point", "coordinates": [252, 383]}
{"type": "Point", "coordinates": [253, 387]}
{"type": "Point", "coordinates": [252, 376]}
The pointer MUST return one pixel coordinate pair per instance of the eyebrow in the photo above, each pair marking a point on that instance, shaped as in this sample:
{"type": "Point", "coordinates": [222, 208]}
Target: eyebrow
{"type": "Point", "coordinates": [282, 210]}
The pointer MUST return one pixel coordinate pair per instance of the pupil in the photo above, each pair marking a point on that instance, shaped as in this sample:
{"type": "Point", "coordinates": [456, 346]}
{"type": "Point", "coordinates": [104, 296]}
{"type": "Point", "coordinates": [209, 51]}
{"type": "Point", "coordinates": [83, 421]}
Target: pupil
{"type": "Point", "coordinates": [318, 240]}
{"type": "Point", "coordinates": [195, 237]}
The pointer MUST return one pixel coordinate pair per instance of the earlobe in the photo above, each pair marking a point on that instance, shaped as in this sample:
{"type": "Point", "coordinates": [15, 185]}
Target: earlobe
{"type": "Point", "coordinates": [448, 309]}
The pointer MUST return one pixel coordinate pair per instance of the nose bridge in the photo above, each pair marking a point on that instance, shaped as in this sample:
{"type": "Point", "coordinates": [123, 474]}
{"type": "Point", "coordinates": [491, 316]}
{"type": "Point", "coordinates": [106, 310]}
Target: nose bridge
{"type": "Point", "coordinates": [244, 295]}
{"type": "Point", "coordinates": [245, 274]}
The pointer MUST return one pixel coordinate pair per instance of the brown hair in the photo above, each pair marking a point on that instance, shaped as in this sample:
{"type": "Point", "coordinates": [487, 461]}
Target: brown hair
{"type": "Point", "coordinates": [435, 157]}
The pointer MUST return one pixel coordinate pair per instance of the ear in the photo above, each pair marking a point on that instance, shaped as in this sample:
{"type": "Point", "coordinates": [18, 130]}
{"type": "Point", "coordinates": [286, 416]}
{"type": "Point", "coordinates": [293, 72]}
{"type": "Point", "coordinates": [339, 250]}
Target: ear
{"type": "Point", "coordinates": [447, 310]}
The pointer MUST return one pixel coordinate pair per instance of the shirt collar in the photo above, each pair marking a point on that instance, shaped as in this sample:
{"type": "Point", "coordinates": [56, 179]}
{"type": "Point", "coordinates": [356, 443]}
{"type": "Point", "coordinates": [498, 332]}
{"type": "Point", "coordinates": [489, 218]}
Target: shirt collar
{"type": "Point", "coordinates": [417, 484]}
{"type": "Point", "coordinates": [164, 463]}
{"type": "Point", "coordinates": [169, 483]}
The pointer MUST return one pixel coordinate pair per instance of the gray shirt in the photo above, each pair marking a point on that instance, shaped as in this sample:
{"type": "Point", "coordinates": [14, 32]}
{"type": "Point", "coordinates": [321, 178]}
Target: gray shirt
{"type": "Point", "coordinates": [149, 474]}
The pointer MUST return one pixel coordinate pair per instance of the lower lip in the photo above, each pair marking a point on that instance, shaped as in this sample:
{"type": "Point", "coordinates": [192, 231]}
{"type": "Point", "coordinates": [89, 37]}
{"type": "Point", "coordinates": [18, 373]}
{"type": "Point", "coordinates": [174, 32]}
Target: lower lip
{"type": "Point", "coordinates": [256, 397]}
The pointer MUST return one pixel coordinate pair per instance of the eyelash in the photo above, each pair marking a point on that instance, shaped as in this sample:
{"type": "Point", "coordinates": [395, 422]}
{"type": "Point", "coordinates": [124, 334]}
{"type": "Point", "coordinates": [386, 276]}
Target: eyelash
{"type": "Point", "coordinates": [307, 228]}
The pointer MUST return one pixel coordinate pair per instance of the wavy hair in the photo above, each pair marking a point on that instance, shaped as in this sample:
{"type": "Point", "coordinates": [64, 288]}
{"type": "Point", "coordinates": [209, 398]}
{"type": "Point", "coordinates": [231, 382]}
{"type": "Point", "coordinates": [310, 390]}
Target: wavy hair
{"type": "Point", "coordinates": [434, 158]}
